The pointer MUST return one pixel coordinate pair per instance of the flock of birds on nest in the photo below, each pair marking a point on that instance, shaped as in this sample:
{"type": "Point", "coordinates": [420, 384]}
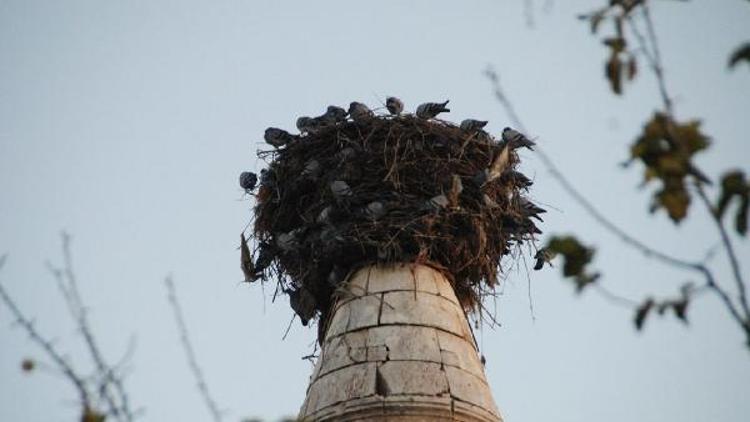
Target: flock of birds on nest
{"type": "Point", "coordinates": [360, 115]}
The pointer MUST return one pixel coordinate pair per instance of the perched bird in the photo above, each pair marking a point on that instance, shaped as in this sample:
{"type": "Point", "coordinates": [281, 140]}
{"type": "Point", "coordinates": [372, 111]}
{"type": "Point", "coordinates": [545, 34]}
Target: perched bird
{"type": "Point", "coordinates": [266, 255]}
{"type": "Point", "coordinates": [333, 115]}
{"type": "Point", "coordinates": [430, 110]}
{"type": "Point", "coordinates": [471, 125]}
{"type": "Point", "coordinates": [544, 255]}
{"type": "Point", "coordinates": [530, 209]}
{"type": "Point", "coordinates": [456, 188]}
{"type": "Point", "coordinates": [340, 188]}
{"type": "Point", "coordinates": [277, 137]}
{"type": "Point", "coordinates": [520, 179]}
{"type": "Point", "coordinates": [375, 210]}
{"type": "Point", "coordinates": [325, 215]}
{"type": "Point", "coordinates": [246, 261]}
{"type": "Point", "coordinates": [312, 169]}
{"type": "Point", "coordinates": [303, 303]}
{"type": "Point", "coordinates": [287, 242]}
{"type": "Point", "coordinates": [516, 139]}
{"type": "Point", "coordinates": [437, 202]}
{"type": "Point", "coordinates": [394, 105]}
{"type": "Point", "coordinates": [308, 124]}
{"type": "Point", "coordinates": [360, 112]}
{"type": "Point", "coordinates": [248, 180]}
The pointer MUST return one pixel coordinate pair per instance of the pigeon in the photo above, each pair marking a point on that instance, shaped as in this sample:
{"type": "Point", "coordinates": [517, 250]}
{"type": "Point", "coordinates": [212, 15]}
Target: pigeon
{"type": "Point", "coordinates": [287, 242]}
{"type": "Point", "coordinates": [430, 110]}
{"type": "Point", "coordinates": [248, 180]}
{"type": "Point", "coordinates": [303, 303]}
{"type": "Point", "coordinates": [325, 215]}
{"type": "Point", "coordinates": [277, 137]}
{"type": "Point", "coordinates": [375, 210]}
{"type": "Point", "coordinates": [340, 188]}
{"type": "Point", "coordinates": [312, 169]}
{"type": "Point", "coordinates": [394, 105]}
{"type": "Point", "coordinates": [516, 139]}
{"type": "Point", "coordinates": [308, 124]}
{"type": "Point", "coordinates": [266, 255]}
{"type": "Point", "coordinates": [520, 179]}
{"type": "Point", "coordinates": [360, 112]}
{"type": "Point", "coordinates": [333, 115]}
{"type": "Point", "coordinates": [437, 202]}
{"type": "Point", "coordinates": [246, 261]}
{"type": "Point", "coordinates": [531, 210]}
{"type": "Point", "coordinates": [544, 255]}
{"type": "Point", "coordinates": [456, 189]}
{"type": "Point", "coordinates": [471, 125]}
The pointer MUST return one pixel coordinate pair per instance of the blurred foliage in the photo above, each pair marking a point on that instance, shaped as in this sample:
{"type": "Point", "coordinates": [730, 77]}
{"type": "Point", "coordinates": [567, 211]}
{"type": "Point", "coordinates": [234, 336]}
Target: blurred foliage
{"type": "Point", "coordinates": [678, 306]}
{"type": "Point", "coordinates": [576, 258]}
{"type": "Point", "coordinates": [734, 185]}
{"type": "Point", "coordinates": [91, 415]}
{"type": "Point", "coordinates": [666, 148]}
{"type": "Point", "coordinates": [742, 53]}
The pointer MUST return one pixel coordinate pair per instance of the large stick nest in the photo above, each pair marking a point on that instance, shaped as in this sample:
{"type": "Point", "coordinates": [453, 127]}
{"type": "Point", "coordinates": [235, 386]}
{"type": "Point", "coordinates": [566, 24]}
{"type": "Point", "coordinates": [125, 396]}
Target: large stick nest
{"type": "Point", "coordinates": [388, 189]}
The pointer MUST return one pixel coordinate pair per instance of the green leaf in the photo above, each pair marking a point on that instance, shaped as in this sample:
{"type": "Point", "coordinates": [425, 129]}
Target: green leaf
{"type": "Point", "coordinates": [739, 54]}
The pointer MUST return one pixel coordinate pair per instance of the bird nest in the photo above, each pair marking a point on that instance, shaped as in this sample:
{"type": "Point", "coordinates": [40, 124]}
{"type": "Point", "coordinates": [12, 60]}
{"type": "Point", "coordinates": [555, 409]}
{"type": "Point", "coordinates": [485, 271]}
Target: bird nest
{"type": "Point", "coordinates": [387, 189]}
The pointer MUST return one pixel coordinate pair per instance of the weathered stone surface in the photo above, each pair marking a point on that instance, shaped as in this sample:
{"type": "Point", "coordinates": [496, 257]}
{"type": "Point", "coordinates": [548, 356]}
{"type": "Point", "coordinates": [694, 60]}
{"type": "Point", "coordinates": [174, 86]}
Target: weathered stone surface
{"type": "Point", "coordinates": [456, 351]}
{"type": "Point", "coordinates": [402, 277]}
{"type": "Point", "coordinates": [355, 314]}
{"type": "Point", "coordinates": [413, 377]}
{"type": "Point", "coordinates": [406, 342]}
{"type": "Point", "coordinates": [399, 349]}
{"type": "Point", "coordinates": [344, 350]}
{"type": "Point", "coordinates": [466, 387]}
{"type": "Point", "coordinates": [421, 309]}
{"type": "Point", "coordinates": [348, 383]}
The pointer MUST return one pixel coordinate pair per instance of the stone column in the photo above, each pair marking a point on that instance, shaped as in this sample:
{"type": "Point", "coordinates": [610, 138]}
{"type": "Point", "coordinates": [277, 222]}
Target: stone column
{"type": "Point", "coordinates": [398, 348]}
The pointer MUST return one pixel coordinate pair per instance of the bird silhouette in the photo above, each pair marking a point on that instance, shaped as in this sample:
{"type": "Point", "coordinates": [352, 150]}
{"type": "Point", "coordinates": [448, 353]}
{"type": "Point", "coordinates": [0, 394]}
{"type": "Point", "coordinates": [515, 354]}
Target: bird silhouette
{"type": "Point", "coordinates": [431, 110]}
{"type": "Point", "coordinates": [471, 125]}
{"type": "Point", "coordinates": [394, 105]}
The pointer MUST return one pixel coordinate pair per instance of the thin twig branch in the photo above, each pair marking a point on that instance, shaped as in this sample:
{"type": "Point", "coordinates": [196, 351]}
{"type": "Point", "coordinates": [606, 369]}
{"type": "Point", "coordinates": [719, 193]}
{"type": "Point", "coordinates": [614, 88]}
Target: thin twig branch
{"type": "Point", "coordinates": [734, 263]}
{"type": "Point", "coordinates": [189, 351]}
{"type": "Point", "coordinates": [599, 217]}
{"type": "Point", "coordinates": [45, 344]}
{"type": "Point", "coordinates": [68, 284]}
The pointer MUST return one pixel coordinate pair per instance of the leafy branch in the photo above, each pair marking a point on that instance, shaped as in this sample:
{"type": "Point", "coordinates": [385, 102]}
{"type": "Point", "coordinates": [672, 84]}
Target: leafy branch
{"type": "Point", "coordinates": [666, 148]}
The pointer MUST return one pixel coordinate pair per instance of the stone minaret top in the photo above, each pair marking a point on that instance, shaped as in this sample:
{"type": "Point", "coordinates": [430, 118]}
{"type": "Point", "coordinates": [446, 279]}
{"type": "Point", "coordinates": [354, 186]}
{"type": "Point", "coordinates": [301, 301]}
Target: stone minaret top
{"type": "Point", "coordinates": [399, 348]}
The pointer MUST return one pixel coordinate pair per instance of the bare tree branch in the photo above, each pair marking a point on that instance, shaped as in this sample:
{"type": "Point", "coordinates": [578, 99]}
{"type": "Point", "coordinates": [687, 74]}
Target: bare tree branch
{"type": "Point", "coordinates": [68, 285]}
{"type": "Point", "coordinates": [742, 292]}
{"type": "Point", "coordinates": [189, 351]}
{"type": "Point", "coordinates": [46, 345]}
{"type": "Point", "coordinates": [599, 217]}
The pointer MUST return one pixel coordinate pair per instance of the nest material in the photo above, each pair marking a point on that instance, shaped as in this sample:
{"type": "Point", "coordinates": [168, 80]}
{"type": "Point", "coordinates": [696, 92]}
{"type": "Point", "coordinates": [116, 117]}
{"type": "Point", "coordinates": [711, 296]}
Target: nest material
{"type": "Point", "coordinates": [390, 189]}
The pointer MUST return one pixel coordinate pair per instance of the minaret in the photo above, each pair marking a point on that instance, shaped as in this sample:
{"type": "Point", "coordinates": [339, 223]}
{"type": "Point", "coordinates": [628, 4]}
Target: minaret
{"type": "Point", "coordinates": [398, 347]}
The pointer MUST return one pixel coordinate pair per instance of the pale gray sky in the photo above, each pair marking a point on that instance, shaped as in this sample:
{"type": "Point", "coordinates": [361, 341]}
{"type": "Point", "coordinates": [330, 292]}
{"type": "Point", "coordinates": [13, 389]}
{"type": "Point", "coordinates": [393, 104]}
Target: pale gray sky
{"type": "Point", "coordinates": [127, 123]}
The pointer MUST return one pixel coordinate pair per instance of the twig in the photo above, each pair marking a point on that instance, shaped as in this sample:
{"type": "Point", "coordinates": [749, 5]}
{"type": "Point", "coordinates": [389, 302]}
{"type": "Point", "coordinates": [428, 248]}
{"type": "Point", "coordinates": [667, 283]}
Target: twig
{"type": "Point", "coordinates": [77, 309]}
{"type": "Point", "coordinates": [189, 352]}
{"type": "Point", "coordinates": [577, 196]}
{"type": "Point", "coordinates": [62, 364]}
{"type": "Point", "coordinates": [610, 226]}
{"type": "Point", "coordinates": [742, 292]}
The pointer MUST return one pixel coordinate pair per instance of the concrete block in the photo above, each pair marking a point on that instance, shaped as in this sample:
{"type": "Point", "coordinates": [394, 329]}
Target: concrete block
{"type": "Point", "coordinates": [422, 309]}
